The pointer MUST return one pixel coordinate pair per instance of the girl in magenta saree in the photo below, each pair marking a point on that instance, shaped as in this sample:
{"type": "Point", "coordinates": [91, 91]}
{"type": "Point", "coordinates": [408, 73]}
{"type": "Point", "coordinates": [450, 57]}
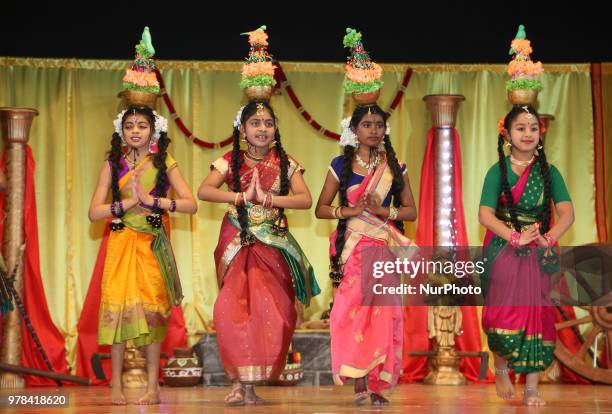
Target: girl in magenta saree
{"type": "Point", "coordinates": [375, 199]}
{"type": "Point", "coordinates": [261, 269]}
{"type": "Point", "coordinates": [520, 253]}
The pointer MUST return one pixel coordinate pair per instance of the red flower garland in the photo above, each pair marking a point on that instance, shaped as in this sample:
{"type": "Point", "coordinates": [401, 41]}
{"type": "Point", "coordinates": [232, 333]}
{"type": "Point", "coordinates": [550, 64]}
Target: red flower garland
{"type": "Point", "coordinates": [281, 80]}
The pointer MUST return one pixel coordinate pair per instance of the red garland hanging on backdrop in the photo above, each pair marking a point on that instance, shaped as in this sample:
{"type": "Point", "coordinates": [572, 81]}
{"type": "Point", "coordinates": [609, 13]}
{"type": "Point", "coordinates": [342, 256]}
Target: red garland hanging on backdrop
{"type": "Point", "coordinates": [281, 80]}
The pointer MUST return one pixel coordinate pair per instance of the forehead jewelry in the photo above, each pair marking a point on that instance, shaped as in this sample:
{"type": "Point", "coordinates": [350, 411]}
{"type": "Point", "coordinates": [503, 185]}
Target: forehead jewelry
{"type": "Point", "coordinates": [260, 109]}
{"type": "Point", "coordinates": [369, 110]}
{"type": "Point", "coordinates": [529, 114]}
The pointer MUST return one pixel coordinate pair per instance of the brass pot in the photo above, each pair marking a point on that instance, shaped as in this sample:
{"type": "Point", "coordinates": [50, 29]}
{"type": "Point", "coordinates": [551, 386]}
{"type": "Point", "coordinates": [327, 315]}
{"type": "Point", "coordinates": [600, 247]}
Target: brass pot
{"type": "Point", "coordinates": [523, 97]}
{"type": "Point", "coordinates": [368, 98]}
{"type": "Point", "coordinates": [138, 98]}
{"type": "Point", "coordinates": [134, 369]}
{"type": "Point", "coordinates": [258, 93]}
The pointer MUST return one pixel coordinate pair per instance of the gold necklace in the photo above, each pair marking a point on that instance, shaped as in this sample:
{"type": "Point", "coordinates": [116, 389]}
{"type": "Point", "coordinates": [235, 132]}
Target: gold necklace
{"type": "Point", "coordinates": [252, 158]}
{"type": "Point", "coordinates": [367, 166]}
{"type": "Point", "coordinates": [521, 163]}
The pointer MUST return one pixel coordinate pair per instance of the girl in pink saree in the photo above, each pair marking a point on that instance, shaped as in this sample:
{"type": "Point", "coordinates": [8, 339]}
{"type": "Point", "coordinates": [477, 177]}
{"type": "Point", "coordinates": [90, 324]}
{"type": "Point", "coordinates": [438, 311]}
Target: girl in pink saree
{"type": "Point", "coordinates": [375, 199]}
{"type": "Point", "coordinates": [519, 248]}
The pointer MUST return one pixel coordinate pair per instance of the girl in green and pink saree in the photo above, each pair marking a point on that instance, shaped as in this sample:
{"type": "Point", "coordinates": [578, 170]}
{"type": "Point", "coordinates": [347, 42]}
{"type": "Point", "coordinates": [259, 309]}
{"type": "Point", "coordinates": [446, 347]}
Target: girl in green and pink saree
{"type": "Point", "coordinates": [520, 252]}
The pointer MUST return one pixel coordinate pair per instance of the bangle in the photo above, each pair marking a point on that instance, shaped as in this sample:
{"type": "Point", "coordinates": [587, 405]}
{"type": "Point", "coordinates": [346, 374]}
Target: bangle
{"type": "Point", "coordinates": [271, 200]}
{"type": "Point", "coordinates": [113, 209]}
{"type": "Point", "coordinates": [155, 205]}
{"type": "Point", "coordinates": [551, 239]}
{"type": "Point", "coordinates": [340, 215]}
{"type": "Point", "coordinates": [244, 200]}
{"type": "Point", "coordinates": [172, 208]}
{"type": "Point", "coordinates": [393, 213]}
{"type": "Point", "coordinates": [236, 199]}
{"type": "Point", "coordinates": [514, 238]}
{"type": "Point", "coordinates": [265, 201]}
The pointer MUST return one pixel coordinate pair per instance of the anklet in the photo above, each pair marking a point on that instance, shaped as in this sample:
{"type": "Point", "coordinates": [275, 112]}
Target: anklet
{"type": "Point", "coordinates": [502, 371]}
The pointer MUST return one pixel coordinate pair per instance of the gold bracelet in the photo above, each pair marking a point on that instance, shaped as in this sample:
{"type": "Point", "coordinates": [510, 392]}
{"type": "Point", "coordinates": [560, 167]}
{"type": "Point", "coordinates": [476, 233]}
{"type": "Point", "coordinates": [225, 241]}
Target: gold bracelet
{"type": "Point", "coordinates": [334, 211]}
{"type": "Point", "coordinates": [340, 215]}
{"type": "Point", "coordinates": [236, 199]}
{"type": "Point", "coordinates": [271, 200]}
{"type": "Point", "coordinates": [267, 200]}
{"type": "Point", "coordinates": [393, 213]}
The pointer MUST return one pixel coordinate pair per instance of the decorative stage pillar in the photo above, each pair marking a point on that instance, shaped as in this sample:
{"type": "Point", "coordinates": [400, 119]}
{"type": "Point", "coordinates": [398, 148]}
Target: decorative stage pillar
{"type": "Point", "coordinates": [15, 126]}
{"type": "Point", "coordinates": [444, 321]}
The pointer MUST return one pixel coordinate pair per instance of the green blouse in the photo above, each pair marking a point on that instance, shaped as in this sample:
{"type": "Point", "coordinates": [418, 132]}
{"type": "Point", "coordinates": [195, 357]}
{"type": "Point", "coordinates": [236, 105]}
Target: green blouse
{"type": "Point", "coordinates": [492, 188]}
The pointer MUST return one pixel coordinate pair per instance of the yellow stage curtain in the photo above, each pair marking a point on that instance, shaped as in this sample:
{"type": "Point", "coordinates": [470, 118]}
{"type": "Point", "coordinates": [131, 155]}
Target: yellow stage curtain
{"type": "Point", "coordinates": [77, 103]}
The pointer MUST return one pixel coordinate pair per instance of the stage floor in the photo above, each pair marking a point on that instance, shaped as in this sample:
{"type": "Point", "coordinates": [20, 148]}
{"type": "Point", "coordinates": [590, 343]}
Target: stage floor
{"type": "Point", "coordinates": [409, 398]}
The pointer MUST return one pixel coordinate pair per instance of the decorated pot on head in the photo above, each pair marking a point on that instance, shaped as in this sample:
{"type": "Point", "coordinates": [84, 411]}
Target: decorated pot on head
{"type": "Point", "coordinates": [523, 87]}
{"type": "Point", "coordinates": [258, 71]}
{"type": "Point", "coordinates": [363, 76]}
{"type": "Point", "coordinates": [141, 87]}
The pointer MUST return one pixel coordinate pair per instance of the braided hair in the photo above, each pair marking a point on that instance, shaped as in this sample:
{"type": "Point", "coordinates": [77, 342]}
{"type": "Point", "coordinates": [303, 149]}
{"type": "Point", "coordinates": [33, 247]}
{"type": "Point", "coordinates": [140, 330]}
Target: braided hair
{"type": "Point", "coordinates": [540, 159]}
{"type": "Point", "coordinates": [159, 159]}
{"type": "Point", "coordinates": [396, 188]}
{"type": "Point", "coordinates": [249, 110]}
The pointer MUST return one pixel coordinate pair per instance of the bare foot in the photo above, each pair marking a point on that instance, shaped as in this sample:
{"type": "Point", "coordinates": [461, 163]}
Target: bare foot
{"type": "Point", "coordinates": [251, 397]}
{"type": "Point", "coordinates": [532, 397]}
{"type": "Point", "coordinates": [378, 399]}
{"type": "Point", "coordinates": [117, 397]}
{"type": "Point", "coordinates": [503, 385]}
{"type": "Point", "coordinates": [236, 395]}
{"type": "Point", "coordinates": [150, 397]}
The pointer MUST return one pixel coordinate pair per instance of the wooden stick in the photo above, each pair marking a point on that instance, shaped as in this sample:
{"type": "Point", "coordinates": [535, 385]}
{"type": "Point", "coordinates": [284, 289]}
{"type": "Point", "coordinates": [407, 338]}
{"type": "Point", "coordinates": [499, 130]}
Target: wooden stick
{"type": "Point", "coordinates": [46, 374]}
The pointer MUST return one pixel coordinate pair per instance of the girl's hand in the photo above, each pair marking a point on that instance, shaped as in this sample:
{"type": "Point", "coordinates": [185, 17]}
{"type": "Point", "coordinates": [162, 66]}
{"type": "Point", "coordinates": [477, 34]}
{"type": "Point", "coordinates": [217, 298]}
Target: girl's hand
{"type": "Point", "coordinates": [259, 193]}
{"type": "Point", "coordinates": [250, 193]}
{"type": "Point", "coordinates": [142, 194]}
{"type": "Point", "coordinates": [373, 204]}
{"type": "Point", "coordinates": [541, 241]}
{"type": "Point", "coordinates": [134, 190]}
{"type": "Point", "coordinates": [529, 235]}
{"type": "Point", "coordinates": [356, 210]}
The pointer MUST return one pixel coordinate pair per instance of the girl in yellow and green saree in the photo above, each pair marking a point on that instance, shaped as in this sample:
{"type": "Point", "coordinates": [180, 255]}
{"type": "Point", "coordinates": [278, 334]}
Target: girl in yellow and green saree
{"type": "Point", "coordinates": [140, 282]}
{"type": "Point", "coordinates": [519, 248]}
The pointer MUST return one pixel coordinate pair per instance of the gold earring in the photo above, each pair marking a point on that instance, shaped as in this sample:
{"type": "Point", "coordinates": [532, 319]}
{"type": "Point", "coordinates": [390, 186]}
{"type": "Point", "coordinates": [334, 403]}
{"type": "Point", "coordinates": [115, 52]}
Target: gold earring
{"type": "Point", "coordinates": [508, 144]}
